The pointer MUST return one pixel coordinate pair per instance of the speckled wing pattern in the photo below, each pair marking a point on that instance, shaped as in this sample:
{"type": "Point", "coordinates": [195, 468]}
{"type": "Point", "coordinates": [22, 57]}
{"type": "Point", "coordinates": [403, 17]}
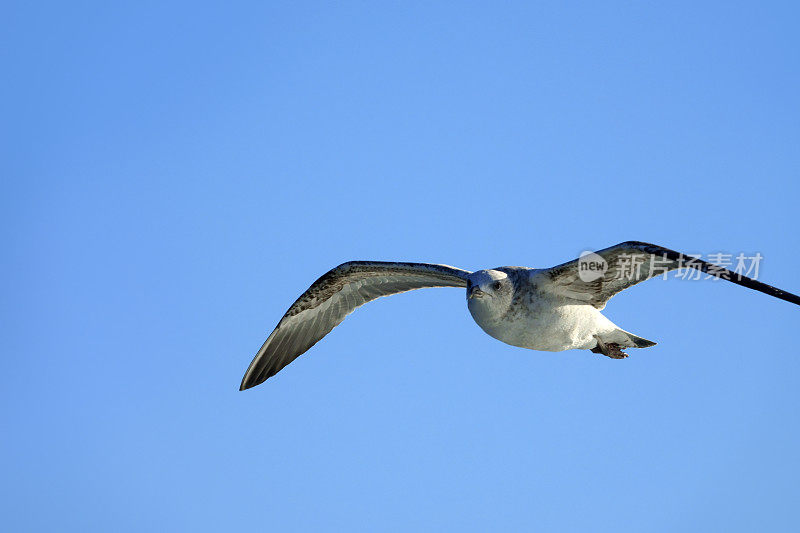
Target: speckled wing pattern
{"type": "Point", "coordinates": [334, 296]}
{"type": "Point", "coordinates": [632, 262]}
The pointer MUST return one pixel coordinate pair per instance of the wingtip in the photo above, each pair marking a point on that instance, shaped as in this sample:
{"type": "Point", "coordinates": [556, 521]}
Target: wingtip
{"type": "Point", "coordinates": [250, 380]}
{"type": "Point", "coordinates": [246, 384]}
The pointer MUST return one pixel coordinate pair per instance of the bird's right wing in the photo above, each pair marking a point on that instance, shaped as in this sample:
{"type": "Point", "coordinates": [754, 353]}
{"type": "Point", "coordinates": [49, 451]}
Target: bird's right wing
{"type": "Point", "coordinates": [632, 262]}
{"type": "Point", "coordinates": [334, 296]}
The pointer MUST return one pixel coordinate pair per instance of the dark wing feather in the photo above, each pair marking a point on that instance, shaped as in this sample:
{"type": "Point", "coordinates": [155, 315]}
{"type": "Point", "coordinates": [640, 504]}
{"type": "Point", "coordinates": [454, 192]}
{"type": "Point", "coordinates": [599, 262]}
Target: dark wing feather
{"type": "Point", "coordinates": [334, 296]}
{"type": "Point", "coordinates": [632, 262]}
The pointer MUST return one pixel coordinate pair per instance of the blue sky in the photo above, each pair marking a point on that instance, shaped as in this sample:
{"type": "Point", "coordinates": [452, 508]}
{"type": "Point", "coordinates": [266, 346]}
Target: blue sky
{"type": "Point", "coordinates": [176, 175]}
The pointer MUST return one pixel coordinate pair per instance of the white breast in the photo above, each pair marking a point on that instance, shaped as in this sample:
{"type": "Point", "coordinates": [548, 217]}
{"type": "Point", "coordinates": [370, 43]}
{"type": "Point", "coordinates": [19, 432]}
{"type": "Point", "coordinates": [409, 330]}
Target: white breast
{"type": "Point", "coordinates": [543, 324]}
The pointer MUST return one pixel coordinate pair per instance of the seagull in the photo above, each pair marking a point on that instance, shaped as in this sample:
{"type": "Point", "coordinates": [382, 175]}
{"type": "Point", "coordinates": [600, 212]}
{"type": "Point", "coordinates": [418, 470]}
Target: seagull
{"type": "Point", "coordinates": [550, 309]}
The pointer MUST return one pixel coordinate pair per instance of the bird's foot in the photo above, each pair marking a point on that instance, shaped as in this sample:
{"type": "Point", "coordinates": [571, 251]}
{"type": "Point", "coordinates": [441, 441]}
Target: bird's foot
{"type": "Point", "coordinates": [612, 350]}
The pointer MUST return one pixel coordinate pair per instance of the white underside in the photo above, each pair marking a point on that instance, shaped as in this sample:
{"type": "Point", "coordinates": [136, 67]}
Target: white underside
{"type": "Point", "coordinates": [553, 326]}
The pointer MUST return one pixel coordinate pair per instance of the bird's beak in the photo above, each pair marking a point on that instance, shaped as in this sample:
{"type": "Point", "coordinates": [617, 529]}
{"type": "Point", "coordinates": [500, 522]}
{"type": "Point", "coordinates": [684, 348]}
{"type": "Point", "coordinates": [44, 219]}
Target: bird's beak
{"type": "Point", "coordinates": [474, 292]}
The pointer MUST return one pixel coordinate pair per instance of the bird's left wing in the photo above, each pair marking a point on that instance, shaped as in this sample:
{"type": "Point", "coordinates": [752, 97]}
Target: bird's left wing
{"type": "Point", "coordinates": [627, 264]}
{"type": "Point", "coordinates": [334, 296]}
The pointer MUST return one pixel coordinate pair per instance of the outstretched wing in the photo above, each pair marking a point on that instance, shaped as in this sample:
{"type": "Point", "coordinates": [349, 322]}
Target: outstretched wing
{"type": "Point", "coordinates": [629, 263]}
{"type": "Point", "coordinates": [334, 296]}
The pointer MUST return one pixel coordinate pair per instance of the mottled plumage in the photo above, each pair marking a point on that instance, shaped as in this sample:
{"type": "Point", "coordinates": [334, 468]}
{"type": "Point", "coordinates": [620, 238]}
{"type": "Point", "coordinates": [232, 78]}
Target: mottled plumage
{"type": "Point", "coordinates": [550, 309]}
{"type": "Point", "coordinates": [334, 296]}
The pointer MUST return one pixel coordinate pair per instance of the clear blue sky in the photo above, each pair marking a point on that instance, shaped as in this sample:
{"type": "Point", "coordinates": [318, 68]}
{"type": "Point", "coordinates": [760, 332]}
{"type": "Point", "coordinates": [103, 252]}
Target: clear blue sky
{"type": "Point", "coordinates": [176, 175]}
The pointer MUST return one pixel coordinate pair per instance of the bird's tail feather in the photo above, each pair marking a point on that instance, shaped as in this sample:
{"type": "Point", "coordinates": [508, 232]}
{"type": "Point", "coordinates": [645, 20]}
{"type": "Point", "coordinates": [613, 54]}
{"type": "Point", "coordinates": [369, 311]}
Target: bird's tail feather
{"type": "Point", "coordinates": [639, 342]}
{"type": "Point", "coordinates": [625, 339]}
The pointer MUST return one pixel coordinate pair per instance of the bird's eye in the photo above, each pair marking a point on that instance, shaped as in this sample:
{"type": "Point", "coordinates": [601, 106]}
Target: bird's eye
{"type": "Point", "coordinates": [496, 286]}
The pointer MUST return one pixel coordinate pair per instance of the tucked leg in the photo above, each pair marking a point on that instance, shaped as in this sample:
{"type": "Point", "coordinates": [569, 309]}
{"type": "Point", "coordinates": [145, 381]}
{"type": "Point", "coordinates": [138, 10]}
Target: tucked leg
{"type": "Point", "coordinates": [612, 350]}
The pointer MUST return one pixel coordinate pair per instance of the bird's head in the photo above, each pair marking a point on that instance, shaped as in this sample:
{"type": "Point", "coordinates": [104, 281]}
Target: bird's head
{"type": "Point", "coordinates": [489, 293]}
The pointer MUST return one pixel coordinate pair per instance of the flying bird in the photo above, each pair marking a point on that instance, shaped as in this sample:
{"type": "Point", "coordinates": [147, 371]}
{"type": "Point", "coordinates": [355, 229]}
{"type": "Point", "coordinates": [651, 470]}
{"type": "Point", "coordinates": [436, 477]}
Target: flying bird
{"type": "Point", "coordinates": [550, 309]}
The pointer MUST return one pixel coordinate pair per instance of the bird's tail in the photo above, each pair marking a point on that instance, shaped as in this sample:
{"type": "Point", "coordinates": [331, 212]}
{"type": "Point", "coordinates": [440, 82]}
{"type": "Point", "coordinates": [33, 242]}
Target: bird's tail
{"type": "Point", "coordinates": [625, 339]}
{"type": "Point", "coordinates": [638, 342]}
